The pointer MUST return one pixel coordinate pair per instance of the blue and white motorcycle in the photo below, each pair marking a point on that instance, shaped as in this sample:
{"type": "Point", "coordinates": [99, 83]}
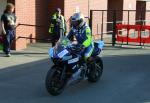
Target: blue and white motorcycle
{"type": "Point", "coordinates": [69, 66]}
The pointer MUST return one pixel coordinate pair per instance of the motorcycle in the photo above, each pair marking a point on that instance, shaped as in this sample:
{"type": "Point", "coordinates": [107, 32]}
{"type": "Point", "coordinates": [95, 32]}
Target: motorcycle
{"type": "Point", "coordinates": [70, 67]}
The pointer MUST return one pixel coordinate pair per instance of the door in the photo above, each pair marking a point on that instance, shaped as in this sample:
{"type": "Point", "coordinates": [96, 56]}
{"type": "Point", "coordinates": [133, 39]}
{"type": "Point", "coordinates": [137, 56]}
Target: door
{"type": "Point", "coordinates": [140, 11]}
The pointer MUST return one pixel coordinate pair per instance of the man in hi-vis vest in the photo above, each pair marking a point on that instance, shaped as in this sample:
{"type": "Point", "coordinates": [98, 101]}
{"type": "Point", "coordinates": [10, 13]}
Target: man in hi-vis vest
{"type": "Point", "coordinates": [57, 27]}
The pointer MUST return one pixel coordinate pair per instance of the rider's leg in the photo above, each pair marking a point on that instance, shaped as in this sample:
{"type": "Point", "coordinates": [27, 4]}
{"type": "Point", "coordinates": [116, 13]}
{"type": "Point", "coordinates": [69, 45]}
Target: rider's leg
{"type": "Point", "coordinates": [88, 52]}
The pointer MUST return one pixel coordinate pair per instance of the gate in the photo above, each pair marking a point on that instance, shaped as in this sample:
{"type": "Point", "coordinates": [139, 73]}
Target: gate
{"type": "Point", "coordinates": [125, 27]}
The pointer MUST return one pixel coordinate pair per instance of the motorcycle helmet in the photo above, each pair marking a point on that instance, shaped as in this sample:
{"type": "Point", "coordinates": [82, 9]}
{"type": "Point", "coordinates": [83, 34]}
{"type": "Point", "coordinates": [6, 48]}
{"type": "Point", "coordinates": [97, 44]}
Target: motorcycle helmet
{"type": "Point", "coordinates": [77, 20]}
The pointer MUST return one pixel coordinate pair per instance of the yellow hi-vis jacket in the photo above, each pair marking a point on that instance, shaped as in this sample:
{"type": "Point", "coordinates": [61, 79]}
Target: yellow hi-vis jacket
{"type": "Point", "coordinates": [52, 25]}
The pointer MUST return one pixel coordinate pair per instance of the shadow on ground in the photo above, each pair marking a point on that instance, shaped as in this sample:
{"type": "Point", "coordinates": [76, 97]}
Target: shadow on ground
{"type": "Point", "coordinates": [125, 80]}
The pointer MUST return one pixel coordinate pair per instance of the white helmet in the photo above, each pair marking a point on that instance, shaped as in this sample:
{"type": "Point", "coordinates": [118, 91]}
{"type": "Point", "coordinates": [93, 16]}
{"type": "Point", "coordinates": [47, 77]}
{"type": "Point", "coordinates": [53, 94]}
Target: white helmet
{"type": "Point", "coordinates": [77, 20]}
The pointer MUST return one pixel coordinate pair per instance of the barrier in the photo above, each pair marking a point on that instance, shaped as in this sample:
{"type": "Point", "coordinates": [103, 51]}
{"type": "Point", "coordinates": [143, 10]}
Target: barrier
{"type": "Point", "coordinates": [145, 38]}
{"type": "Point", "coordinates": [133, 33]}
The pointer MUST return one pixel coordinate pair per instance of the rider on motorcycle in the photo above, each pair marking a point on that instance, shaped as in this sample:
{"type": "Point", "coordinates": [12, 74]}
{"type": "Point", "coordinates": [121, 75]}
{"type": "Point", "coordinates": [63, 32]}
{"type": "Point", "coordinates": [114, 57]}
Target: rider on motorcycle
{"type": "Point", "coordinates": [82, 33]}
{"type": "Point", "coordinates": [69, 66]}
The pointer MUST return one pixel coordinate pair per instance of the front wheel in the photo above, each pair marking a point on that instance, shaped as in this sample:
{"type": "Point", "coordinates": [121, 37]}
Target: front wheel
{"type": "Point", "coordinates": [54, 83]}
{"type": "Point", "coordinates": [95, 70]}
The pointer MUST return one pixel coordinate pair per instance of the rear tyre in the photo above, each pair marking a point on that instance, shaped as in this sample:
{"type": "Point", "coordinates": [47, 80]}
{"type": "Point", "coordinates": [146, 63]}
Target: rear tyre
{"type": "Point", "coordinates": [95, 70]}
{"type": "Point", "coordinates": [53, 82]}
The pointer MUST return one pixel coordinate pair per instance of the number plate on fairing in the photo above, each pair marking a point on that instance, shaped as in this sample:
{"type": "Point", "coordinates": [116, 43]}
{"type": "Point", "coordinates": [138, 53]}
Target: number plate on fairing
{"type": "Point", "coordinates": [63, 53]}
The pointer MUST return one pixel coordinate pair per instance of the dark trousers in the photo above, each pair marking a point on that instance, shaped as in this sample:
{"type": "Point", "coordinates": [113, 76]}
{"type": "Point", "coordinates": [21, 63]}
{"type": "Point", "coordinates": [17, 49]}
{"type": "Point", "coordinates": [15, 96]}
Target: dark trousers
{"type": "Point", "coordinates": [8, 38]}
{"type": "Point", "coordinates": [56, 36]}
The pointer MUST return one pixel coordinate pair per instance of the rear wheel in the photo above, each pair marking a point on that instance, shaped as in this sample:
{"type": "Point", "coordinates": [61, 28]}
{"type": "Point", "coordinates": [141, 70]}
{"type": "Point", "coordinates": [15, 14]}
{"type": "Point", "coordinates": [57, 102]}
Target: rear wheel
{"type": "Point", "coordinates": [54, 84]}
{"type": "Point", "coordinates": [95, 70]}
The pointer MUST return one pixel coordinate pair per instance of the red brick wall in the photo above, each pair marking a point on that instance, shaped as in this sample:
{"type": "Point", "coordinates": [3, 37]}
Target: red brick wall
{"type": "Point", "coordinates": [148, 13]}
{"type": "Point", "coordinates": [41, 19]}
{"type": "Point", "coordinates": [38, 12]}
{"type": "Point", "coordinates": [129, 5]}
{"type": "Point", "coordinates": [32, 12]}
{"type": "Point", "coordinates": [25, 12]}
{"type": "Point", "coordinates": [70, 8]}
{"type": "Point", "coordinates": [97, 17]}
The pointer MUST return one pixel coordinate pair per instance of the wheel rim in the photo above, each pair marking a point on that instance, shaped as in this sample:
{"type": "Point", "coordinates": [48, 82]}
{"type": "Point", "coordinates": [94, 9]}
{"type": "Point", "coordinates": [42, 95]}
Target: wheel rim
{"type": "Point", "coordinates": [97, 71]}
{"type": "Point", "coordinates": [55, 83]}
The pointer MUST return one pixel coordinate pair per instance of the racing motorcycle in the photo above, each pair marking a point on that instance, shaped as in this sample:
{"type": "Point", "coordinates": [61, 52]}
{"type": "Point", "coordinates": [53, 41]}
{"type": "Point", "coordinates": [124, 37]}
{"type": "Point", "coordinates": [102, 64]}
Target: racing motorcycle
{"type": "Point", "coordinates": [70, 67]}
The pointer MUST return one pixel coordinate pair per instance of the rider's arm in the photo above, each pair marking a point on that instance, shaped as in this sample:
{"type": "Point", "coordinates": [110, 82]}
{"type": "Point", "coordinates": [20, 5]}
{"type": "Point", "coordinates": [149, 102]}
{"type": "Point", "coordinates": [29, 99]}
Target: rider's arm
{"type": "Point", "coordinates": [88, 41]}
{"type": "Point", "coordinates": [70, 35]}
{"type": "Point", "coordinates": [3, 29]}
{"type": "Point", "coordinates": [2, 24]}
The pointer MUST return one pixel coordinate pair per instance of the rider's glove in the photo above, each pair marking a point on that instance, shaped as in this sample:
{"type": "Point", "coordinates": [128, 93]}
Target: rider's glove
{"type": "Point", "coordinates": [82, 47]}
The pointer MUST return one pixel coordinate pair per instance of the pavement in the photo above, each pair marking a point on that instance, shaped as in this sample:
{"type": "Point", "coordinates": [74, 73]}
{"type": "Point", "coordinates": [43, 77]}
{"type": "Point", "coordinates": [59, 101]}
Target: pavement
{"type": "Point", "coordinates": [125, 78]}
{"type": "Point", "coordinates": [39, 51]}
{"type": "Point", "coordinates": [34, 52]}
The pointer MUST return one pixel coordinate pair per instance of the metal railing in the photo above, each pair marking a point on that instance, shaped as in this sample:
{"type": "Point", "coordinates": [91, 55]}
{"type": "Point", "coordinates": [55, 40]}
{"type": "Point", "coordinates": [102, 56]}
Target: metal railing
{"type": "Point", "coordinates": [104, 22]}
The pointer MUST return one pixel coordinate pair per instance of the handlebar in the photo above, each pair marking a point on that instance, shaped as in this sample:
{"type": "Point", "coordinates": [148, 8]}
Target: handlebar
{"type": "Point", "coordinates": [76, 47]}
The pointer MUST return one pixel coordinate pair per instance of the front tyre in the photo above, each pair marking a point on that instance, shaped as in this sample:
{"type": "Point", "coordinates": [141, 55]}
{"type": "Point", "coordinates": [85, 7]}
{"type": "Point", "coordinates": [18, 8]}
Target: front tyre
{"type": "Point", "coordinates": [54, 84]}
{"type": "Point", "coordinates": [95, 70]}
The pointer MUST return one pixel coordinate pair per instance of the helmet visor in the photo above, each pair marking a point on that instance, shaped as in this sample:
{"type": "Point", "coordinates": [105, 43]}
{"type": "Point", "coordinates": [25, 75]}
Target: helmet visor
{"type": "Point", "coordinates": [75, 24]}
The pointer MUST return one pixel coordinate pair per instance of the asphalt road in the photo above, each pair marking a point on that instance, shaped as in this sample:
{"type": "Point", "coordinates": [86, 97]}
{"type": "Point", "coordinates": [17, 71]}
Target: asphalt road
{"type": "Point", "coordinates": [126, 79]}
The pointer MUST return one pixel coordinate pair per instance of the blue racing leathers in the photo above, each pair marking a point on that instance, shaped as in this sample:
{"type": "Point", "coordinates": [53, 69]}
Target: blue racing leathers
{"type": "Point", "coordinates": [84, 37]}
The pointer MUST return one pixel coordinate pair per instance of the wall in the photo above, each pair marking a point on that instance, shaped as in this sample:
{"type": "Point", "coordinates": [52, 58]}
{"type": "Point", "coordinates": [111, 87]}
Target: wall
{"type": "Point", "coordinates": [34, 13]}
{"type": "Point", "coordinates": [97, 17]}
{"type": "Point", "coordinates": [41, 13]}
{"type": "Point", "coordinates": [129, 5]}
{"type": "Point", "coordinates": [84, 6]}
{"type": "Point", "coordinates": [148, 13]}
{"type": "Point", "coordinates": [38, 13]}
{"type": "Point", "coordinates": [72, 5]}
{"type": "Point", "coordinates": [25, 12]}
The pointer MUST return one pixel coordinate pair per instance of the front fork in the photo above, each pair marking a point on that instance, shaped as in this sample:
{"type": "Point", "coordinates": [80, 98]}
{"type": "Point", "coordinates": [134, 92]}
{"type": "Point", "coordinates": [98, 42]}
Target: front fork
{"type": "Point", "coordinates": [90, 65]}
{"type": "Point", "coordinates": [63, 73]}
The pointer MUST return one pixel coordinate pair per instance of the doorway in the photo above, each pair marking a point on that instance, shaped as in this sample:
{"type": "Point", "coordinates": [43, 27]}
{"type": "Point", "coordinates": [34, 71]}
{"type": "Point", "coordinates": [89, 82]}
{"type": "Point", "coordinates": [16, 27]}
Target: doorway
{"type": "Point", "coordinates": [114, 5]}
{"type": "Point", "coordinates": [140, 11]}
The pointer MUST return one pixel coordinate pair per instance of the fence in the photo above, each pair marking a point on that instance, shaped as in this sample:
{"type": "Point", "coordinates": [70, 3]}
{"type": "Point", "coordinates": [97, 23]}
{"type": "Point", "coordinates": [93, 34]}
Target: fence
{"type": "Point", "coordinates": [133, 34]}
{"type": "Point", "coordinates": [108, 24]}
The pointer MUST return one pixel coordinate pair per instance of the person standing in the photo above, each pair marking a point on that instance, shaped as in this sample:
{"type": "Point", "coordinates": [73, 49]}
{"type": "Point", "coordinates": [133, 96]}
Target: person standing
{"type": "Point", "coordinates": [8, 20]}
{"type": "Point", "coordinates": [57, 27]}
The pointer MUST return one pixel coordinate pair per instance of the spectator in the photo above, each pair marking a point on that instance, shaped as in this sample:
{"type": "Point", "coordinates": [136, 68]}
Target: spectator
{"type": "Point", "coordinates": [58, 26]}
{"type": "Point", "coordinates": [8, 20]}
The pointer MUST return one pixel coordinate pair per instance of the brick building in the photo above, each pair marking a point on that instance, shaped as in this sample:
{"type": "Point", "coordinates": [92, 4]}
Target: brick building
{"type": "Point", "coordinates": [35, 14]}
